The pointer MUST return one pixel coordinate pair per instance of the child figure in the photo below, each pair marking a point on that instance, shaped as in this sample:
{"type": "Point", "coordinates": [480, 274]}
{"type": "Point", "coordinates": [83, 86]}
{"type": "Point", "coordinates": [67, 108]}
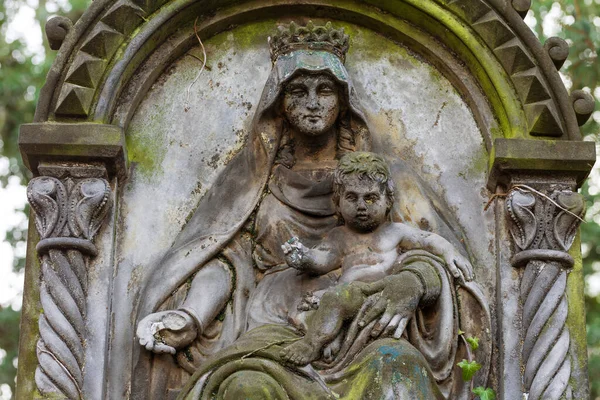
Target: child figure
{"type": "Point", "coordinates": [366, 248]}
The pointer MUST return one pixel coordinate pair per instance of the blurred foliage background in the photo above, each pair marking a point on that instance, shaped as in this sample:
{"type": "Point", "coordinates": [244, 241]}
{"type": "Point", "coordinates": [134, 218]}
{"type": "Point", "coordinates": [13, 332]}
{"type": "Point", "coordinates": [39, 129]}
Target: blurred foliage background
{"type": "Point", "coordinates": [25, 59]}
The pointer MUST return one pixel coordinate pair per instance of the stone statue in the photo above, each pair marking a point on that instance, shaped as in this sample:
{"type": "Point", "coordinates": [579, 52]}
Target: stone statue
{"type": "Point", "coordinates": [366, 248]}
{"type": "Point", "coordinates": [165, 183]}
{"type": "Point", "coordinates": [218, 310]}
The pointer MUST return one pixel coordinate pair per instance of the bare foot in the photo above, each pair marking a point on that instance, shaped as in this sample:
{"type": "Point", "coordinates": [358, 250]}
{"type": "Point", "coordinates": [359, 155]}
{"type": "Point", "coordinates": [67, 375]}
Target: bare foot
{"type": "Point", "coordinates": [301, 353]}
{"type": "Point", "coordinates": [333, 348]}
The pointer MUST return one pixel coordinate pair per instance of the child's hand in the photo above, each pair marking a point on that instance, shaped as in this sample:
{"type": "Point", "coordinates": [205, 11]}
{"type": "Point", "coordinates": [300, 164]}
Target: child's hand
{"type": "Point", "coordinates": [457, 265]}
{"type": "Point", "coordinates": [294, 252]}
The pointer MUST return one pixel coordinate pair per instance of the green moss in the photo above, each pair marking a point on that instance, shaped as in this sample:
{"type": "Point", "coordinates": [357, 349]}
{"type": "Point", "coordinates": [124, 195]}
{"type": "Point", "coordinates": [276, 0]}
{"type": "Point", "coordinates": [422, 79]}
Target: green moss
{"type": "Point", "coordinates": [464, 41]}
{"type": "Point", "coordinates": [147, 146]}
{"type": "Point", "coordinates": [146, 149]}
{"type": "Point", "coordinates": [369, 45]}
{"type": "Point", "coordinates": [576, 316]}
{"type": "Point", "coordinates": [30, 314]}
{"type": "Point", "coordinates": [251, 35]}
{"type": "Point", "coordinates": [188, 354]}
{"type": "Point", "coordinates": [221, 315]}
{"type": "Point", "coordinates": [478, 166]}
{"type": "Point", "coordinates": [496, 132]}
{"type": "Point", "coordinates": [543, 155]}
{"type": "Point", "coordinates": [359, 386]}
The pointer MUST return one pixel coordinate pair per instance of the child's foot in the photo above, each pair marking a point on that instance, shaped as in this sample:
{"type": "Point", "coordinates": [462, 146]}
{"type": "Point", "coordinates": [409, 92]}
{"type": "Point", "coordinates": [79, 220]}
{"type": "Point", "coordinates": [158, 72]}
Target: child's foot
{"type": "Point", "coordinates": [333, 348]}
{"type": "Point", "coordinates": [301, 353]}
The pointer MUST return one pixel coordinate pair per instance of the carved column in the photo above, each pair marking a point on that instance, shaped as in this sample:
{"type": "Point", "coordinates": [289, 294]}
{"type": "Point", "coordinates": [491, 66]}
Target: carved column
{"type": "Point", "coordinates": [543, 227]}
{"type": "Point", "coordinates": [541, 354]}
{"type": "Point", "coordinates": [70, 205]}
{"type": "Point", "coordinates": [78, 168]}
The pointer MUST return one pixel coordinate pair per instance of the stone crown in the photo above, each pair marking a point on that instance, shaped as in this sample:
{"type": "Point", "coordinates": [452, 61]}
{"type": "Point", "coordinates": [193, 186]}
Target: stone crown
{"type": "Point", "coordinates": [295, 37]}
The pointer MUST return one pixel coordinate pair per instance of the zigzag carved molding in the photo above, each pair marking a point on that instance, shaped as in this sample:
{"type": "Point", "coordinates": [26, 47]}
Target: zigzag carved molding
{"type": "Point", "coordinates": [116, 25]}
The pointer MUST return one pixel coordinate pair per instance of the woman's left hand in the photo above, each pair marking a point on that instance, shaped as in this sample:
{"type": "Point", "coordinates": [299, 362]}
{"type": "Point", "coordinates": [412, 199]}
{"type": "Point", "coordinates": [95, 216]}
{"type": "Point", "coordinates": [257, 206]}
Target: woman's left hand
{"type": "Point", "coordinates": [398, 302]}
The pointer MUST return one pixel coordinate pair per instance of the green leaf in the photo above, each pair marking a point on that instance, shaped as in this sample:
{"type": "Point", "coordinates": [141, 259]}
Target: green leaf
{"type": "Point", "coordinates": [460, 332]}
{"type": "Point", "coordinates": [473, 342]}
{"type": "Point", "coordinates": [469, 369]}
{"type": "Point", "coordinates": [485, 393]}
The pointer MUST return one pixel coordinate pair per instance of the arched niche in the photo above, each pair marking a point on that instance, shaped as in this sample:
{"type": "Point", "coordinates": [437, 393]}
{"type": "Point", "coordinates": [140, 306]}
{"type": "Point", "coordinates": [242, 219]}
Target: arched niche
{"type": "Point", "coordinates": [461, 90]}
{"type": "Point", "coordinates": [501, 55]}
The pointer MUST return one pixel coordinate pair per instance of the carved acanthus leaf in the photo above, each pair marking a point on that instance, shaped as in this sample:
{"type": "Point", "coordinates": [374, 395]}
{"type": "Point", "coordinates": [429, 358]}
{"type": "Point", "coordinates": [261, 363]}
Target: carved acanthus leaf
{"type": "Point", "coordinates": [553, 220]}
{"type": "Point", "coordinates": [567, 221]}
{"type": "Point", "coordinates": [68, 214]}
{"type": "Point", "coordinates": [48, 198]}
{"type": "Point", "coordinates": [89, 204]}
{"type": "Point", "coordinates": [524, 223]}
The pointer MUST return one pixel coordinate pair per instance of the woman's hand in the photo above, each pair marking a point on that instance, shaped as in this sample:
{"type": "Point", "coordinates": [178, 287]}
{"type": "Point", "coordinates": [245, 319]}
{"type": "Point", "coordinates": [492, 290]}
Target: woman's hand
{"type": "Point", "coordinates": [398, 301]}
{"type": "Point", "coordinates": [166, 331]}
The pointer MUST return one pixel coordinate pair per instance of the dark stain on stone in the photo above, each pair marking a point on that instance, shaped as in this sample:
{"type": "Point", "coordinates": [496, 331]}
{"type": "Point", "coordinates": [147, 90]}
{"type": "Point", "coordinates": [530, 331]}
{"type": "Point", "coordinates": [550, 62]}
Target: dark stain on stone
{"type": "Point", "coordinates": [214, 161]}
{"type": "Point", "coordinates": [437, 118]}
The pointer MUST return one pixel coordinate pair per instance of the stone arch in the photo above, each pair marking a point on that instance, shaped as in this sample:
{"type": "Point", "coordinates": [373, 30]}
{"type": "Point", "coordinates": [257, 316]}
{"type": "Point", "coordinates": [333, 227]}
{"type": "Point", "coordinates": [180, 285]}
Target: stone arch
{"type": "Point", "coordinates": [108, 61]}
{"type": "Point", "coordinates": [506, 62]}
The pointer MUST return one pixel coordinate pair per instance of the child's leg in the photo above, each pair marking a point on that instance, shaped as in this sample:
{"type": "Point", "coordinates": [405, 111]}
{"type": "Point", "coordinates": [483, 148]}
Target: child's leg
{"type": "Point", "coordinates": [337, 305]}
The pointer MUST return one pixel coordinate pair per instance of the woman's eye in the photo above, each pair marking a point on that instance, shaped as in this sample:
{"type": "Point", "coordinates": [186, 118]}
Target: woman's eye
{"type": "Point", "coordinates": [372, 198]}
{"type": "Point", "coordinates": [297, 91]}
{"type": "Point", "coordinates": [350, 197]}
{"type": "Point", "coordinates": [326, 90]}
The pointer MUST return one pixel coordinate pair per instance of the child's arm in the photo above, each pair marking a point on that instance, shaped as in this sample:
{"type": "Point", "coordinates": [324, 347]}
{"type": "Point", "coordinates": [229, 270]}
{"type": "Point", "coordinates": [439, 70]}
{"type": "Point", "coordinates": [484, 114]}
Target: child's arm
{"type": "Point", "coordinates": [316, 261]}
{"type": "Point", "coordinates": [411, 238]}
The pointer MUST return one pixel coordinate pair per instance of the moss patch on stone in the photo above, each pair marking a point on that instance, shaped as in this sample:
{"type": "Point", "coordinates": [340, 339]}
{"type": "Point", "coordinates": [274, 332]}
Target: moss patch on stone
{"type": "Point", "coordinates": [30, 315]}
{"type": "Point", "coordinates": [576, 316]}
{"type": "Point", "coordinates": [146, 149]}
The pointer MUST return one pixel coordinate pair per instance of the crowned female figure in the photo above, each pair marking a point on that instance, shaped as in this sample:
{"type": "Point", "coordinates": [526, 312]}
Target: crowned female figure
{"type": "Point", "coordinates": [215, 312]}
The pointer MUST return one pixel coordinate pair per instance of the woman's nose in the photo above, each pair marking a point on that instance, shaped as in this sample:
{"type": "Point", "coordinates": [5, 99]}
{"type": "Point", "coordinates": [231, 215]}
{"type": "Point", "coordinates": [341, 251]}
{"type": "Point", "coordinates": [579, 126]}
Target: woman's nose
{"type": "Point", "coordinates": [313, 101]}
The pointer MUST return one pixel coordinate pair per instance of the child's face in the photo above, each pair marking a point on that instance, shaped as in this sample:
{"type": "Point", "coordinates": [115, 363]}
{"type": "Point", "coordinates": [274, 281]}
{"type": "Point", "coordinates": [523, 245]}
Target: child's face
{"type": "Point", "coordinates": [363, 203]}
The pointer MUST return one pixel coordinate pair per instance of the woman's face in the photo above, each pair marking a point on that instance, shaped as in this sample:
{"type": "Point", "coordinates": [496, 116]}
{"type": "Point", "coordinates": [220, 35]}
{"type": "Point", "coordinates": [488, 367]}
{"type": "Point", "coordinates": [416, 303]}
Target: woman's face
{"type": "Point", "coordinates": [311, 104]}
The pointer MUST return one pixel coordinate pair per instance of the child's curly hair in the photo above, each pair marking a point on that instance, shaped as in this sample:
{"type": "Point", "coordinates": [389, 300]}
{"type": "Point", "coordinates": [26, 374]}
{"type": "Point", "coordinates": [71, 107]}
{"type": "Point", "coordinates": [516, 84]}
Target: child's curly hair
{"type": "Point", "coordinates": [367, 166]}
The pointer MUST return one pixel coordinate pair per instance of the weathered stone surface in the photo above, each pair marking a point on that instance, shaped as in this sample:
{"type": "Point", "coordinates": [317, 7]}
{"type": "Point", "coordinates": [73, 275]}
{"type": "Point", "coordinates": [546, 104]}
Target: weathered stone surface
{"type": "Point", "coordinates": [568, 158]}
{"type": "Point", "coordinates": [458, 97]}
{"type": "Point", "coordinates": [56, 30]}
{"type": "Point", "coordinates": [543, 227]}
{"type": "Point", "coordinates": [68, 214]}
{"type": "Point", "coordinates": [73, 142]}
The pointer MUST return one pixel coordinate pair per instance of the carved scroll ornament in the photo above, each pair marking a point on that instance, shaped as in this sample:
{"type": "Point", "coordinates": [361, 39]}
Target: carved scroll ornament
{"type": "Point", "coordinates": [543, 229]}
{"type": "Point", "coordinates": [68, 214]}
